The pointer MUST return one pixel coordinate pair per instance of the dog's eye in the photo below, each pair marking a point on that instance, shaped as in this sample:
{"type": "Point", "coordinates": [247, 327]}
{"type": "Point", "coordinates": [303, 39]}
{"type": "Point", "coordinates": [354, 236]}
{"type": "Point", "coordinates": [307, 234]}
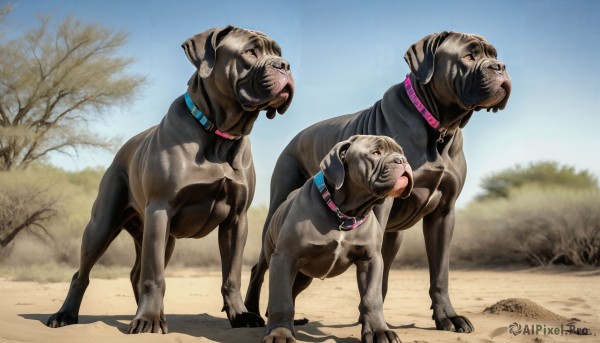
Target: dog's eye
{"type": "Point", "coordinates": [250, 52]}
{"type": "Point", "coordinates": [376, 153]}
{"type": "Point", "coordinates": [469, 57]}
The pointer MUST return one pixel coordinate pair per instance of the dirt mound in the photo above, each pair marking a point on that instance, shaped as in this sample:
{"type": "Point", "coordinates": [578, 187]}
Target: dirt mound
{"type": "Point", "coordinates": [522, 307]}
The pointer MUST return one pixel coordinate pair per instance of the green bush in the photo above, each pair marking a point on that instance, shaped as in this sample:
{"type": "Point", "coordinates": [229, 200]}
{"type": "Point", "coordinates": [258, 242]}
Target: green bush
{"type": "Point", "coordinates": [535, 226]}
{"type": "Point", "coordinates": [545, 174]}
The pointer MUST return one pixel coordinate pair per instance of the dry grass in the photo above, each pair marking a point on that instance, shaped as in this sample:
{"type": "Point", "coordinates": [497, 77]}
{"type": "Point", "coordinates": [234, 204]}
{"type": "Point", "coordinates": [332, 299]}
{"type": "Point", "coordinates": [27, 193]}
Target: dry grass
{"type": "Point", "coordinates": [531, 227]}
{"type": "Point", "coordinates": [54, 272]}
{"type": "Point", "coordinates": [534, 226]}
{"type": "Point", "coordinates": [35, 258]}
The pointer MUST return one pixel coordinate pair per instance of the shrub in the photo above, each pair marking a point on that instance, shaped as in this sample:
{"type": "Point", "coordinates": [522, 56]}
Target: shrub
{"type": "Point", "coordinates": [76, 192]}
{"type": "Point", "coordinates": [541, 174]}
{"type": "Point", "coordinates": [533, 226]}
{"type": "Point", "coordinates": [24, 207]}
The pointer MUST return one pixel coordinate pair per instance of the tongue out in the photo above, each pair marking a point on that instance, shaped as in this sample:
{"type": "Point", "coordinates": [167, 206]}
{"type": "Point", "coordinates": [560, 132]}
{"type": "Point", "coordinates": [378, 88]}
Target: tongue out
{"type": "Point", "coordinates": [399, 187]}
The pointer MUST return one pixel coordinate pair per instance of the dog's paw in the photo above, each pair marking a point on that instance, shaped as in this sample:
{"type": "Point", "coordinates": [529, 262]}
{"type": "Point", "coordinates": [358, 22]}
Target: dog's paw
{"type": "Point", "coordinates": [146, 325]}
{"type": "Point", "coordinates": [61, 319]}
{"type": "Point", "coordinates": [247, 320]}
{"type": "Point", "coordinates": [380, 336]}
{"type": "Point", "coordinates": [456, 323]}
{"type": "Point", "coordinates": [445, 317]}
{"type": "Point", "coordinates": [279, 335]}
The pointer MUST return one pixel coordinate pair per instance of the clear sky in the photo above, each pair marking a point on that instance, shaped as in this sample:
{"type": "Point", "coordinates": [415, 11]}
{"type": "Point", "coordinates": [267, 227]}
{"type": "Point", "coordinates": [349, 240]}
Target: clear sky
{"type": "Point", "coordinates": [345, 54]}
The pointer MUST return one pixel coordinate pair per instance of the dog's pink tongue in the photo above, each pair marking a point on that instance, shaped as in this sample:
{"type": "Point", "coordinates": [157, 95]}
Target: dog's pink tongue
{"type": "Point", "coordinates": [399, 187]}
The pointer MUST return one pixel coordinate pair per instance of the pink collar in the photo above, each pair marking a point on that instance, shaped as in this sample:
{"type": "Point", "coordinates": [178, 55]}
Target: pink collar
{"type": "Point", "coordinates": [347, 222]}
{"type": "Point", "coordinates": [433, 122]}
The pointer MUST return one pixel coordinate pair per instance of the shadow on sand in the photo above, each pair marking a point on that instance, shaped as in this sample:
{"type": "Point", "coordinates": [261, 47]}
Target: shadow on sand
{"type": "Point", "coordinates": [196, 325]}
{"type": "Point", "coordinates": [210, 327]}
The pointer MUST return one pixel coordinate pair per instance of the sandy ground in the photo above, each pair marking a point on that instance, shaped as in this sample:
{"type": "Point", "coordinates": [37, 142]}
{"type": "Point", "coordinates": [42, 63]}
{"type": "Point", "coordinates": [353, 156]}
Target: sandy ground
{"type": "Point", "coordinates": [193, 304]}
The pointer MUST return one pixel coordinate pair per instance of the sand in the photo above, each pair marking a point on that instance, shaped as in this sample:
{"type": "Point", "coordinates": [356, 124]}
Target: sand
{"type": "Point", "coordinates": [521, 307]}
{"type": "Point", "coordinates": [193, 304]}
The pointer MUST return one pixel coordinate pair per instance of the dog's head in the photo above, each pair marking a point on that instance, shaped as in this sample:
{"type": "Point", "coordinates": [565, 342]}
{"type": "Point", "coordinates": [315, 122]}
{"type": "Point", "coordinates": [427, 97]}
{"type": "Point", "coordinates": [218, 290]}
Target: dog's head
{"type": "Point", "coordinates": [370, 166]}
{"type": "Point", "coordinates": [462, 69]}
{"type": "Point", "coordinates": [242, 70]}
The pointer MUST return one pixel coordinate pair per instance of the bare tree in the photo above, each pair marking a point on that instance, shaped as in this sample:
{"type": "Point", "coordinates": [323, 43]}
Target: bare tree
{"type": "Point", "coordinates": [24, 209]}
{"type": "Point", "coordinates": [54, 80]}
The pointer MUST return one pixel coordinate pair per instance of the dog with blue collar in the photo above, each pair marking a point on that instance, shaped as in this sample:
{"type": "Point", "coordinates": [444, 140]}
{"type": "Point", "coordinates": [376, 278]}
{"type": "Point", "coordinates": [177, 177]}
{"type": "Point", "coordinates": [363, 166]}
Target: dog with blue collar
{"type": "Point", "coordinates": [328, 225]}
{"type": "Point", "coordinates": [188, 175]}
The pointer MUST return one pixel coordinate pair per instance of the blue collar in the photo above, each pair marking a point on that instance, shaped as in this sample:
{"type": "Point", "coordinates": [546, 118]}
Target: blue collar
{"type": "Point", "coordinates": [348, 223]}
{"type": "Point", "coordinates": [207, 124]}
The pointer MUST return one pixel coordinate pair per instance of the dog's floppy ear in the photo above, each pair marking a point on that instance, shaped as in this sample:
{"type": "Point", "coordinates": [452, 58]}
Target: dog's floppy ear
{"type": "Point", "coordinates": [421, 56]}
{"type": "Point", "coordinates": [333, 164]}
{"type": "Point", "coordinates": [201, 49]}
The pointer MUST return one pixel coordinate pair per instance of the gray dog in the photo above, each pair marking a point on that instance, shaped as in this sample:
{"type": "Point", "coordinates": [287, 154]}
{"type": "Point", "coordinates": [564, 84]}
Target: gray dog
{"type": "Point", "coordinates": [189, 174]}
{"type": "Point", "coordinates": [452, 75]}
{"type": "Point", "coordinates": [327, 225]}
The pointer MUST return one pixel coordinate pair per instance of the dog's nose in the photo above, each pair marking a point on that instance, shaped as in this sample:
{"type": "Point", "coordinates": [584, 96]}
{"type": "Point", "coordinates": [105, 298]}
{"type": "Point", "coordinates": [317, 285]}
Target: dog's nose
{"type": "Point", "coordinates": [280, 63]}
{"type": "Point", "coordinates": [399, 160]}
{"type": "Point", "coordinates": [498, 66]}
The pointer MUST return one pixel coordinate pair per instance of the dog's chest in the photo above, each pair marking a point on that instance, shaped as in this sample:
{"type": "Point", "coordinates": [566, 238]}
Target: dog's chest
{"type": "Point", "coordinates": [336, 253]}
{"type": "Point", "coordinates": [213, 195]}
{"type": "Point", "coordinates": [437, 183]}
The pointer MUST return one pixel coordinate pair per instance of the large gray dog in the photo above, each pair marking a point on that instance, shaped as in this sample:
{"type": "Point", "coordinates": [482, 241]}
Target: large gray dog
{"type": "Point", "coordinates": [452, 75]}
{"type": "Point", "coordinates": [189, 174]}
{"type": "Point", "coordinates": [328, 225]}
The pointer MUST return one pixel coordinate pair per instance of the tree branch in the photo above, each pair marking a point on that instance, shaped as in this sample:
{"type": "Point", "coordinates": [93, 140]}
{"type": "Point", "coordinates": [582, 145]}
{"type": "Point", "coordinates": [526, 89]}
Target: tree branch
{"type": "Point", "coordinates": [55, 77]}
{"type": "Point", "coordinates": [30, 220]}
{"type": "Point", "coordinates": [37, 156]}
{"type": "Point", "coordinates": [3, 115]}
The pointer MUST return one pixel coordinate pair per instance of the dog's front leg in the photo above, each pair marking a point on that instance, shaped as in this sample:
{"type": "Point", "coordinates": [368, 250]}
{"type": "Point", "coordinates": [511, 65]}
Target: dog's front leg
{"type": "Point", "coordinates": [232, 239]}
{"type": "Point", "coordinates": [374, 328]}
{"type": "Point", "coordinates": [438, 228]}
{"type": "Point", "coordinates": [391, 241]}
{"type": "Point", "coordinates": [280, 327]}
{"type": "Point", "coordinates": [150, 315]}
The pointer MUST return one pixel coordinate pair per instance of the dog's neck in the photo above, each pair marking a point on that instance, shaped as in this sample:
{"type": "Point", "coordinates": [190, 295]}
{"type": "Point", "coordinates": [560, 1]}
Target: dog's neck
{"type": "Point", "coordinates": [228, 116]}
{"type": "Point", "coordinates": [352, 199]}
{"type": "Point", "coordinates": [450, 115]}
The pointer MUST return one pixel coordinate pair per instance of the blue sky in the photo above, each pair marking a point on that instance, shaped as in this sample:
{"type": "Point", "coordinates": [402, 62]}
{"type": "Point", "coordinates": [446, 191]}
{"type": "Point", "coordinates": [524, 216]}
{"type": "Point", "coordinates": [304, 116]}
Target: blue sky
{"type": "Point", "coordinates": [345, 54]}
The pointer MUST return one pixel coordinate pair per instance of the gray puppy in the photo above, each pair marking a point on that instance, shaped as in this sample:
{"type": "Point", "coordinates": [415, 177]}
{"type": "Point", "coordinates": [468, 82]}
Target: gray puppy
{"type": "Point", "coordinates": [189, 174]}
{"type": "Point", "coordinates": [328, 225]}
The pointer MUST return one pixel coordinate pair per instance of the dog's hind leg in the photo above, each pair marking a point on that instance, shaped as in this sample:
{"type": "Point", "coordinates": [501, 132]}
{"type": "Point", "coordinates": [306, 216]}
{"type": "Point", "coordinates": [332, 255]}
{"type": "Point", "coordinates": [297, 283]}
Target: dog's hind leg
{"type": "Point", "coordinates": [389, 249]}
{"type": "Point", "coordinates": [301, 283]}
{"type": "Point", "coordinates": [287, 177]}
{"type": "Point", "coordinates": [136, 271]}
{"type": "Point", "coordinates": [137, 233]}
{"type": "Point", "coordinates": [169, 249]}
{"type": "Point", "coordinates": [257, 277]}
{"type": "Point", "coordinates": [232, 238]}
{"type": "Point", "coordinates": [134, 227]}
{"type": "Point", "coordinates": [104, 226]}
